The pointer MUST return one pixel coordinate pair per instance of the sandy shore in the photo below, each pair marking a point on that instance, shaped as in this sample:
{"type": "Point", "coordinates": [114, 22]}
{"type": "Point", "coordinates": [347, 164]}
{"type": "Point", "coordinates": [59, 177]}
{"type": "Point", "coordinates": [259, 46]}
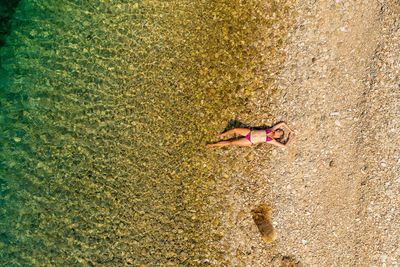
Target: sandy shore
{"type": "Point", "coordinates": [335, 190]}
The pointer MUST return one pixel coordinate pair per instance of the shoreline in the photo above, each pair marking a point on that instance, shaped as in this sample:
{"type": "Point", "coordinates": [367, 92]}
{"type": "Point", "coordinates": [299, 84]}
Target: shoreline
{"type": "Point", "coordinates": [334, 191]}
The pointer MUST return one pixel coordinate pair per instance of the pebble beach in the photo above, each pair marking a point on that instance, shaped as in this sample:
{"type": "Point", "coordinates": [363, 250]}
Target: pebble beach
{"type": "Point", "coordinates": [335, 191]}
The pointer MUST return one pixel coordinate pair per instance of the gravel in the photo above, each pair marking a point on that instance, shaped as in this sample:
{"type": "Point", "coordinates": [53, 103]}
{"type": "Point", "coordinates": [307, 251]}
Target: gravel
{"type": "Point", "coordinates": [335, 191]}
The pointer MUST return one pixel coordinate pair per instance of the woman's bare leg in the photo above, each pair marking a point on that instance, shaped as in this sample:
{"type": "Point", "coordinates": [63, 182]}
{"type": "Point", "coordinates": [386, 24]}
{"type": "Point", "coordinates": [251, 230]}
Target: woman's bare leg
{"type": "Point", "coordinates": [240, 131]}
{"type": "Point", "coordinates": [237, 142]}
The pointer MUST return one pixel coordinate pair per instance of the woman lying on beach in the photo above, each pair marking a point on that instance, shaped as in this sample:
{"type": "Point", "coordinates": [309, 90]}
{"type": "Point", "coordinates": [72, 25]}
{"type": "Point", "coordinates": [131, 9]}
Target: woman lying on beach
{"type": "Point", "coordinates": [253, 137]}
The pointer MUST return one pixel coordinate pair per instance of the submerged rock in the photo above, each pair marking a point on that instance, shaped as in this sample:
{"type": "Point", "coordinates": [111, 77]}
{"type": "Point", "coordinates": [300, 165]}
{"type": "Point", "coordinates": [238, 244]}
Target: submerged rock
{"type": "Point", "coordinates": [262, 218]}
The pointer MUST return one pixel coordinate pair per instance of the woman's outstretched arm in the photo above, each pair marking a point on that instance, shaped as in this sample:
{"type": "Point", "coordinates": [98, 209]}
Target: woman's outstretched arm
{"type": "Point", "coordinates": [284, 125]}
{"type": "Point", "coordinates": [279, 144]}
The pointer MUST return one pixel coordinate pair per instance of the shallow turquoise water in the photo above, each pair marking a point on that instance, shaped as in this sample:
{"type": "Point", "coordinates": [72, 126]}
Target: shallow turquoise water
{"type": "Point", "coordinates": [105, 111]}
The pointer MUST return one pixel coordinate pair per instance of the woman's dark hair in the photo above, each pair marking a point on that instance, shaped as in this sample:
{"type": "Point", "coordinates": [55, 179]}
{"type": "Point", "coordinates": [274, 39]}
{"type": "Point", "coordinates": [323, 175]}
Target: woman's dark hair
{"type": "Point", "coordinates": [280, 139]}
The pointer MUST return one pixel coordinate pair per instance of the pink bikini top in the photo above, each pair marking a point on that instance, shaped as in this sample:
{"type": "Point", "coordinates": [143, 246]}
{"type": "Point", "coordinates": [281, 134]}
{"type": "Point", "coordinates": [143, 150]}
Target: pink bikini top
{"type": "Point", "coordinates": [268, 138]}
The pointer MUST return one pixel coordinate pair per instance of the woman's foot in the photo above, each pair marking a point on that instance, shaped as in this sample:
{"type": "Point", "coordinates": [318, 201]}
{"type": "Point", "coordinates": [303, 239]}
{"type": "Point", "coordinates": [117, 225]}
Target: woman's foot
{"type": "Point", "coordinates": [210, 145]}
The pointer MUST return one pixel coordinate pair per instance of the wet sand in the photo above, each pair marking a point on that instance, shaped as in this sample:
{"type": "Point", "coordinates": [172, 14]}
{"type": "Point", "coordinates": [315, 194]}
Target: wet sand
{"type": "Point", "coordinates": [335, 191]}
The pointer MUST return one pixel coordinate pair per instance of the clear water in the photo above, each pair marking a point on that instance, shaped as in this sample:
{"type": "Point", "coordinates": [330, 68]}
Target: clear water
{"type": "Point", "coordinates": [106, 107]}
